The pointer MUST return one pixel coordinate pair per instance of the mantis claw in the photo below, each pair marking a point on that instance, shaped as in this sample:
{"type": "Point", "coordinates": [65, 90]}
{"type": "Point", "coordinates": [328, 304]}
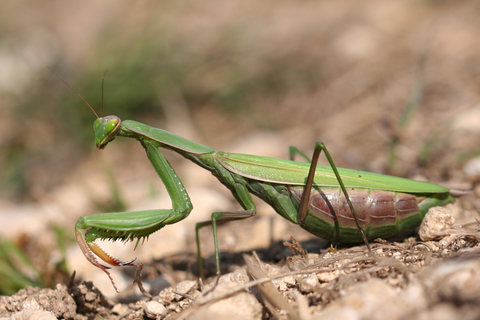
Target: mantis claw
{"type": "Point", "coordinates": [99, 252]}
{"type": "Point", "coordinates": [91, 251]}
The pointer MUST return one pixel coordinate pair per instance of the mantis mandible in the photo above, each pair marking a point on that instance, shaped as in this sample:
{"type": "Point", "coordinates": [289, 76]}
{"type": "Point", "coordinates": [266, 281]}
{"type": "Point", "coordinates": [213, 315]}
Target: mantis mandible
{"type": "Point", "coordinates": [337, 204]}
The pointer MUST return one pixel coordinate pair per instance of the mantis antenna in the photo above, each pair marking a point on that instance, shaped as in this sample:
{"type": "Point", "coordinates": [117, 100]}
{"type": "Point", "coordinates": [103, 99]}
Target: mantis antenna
{"type": "Point", "coordinates": [103, 80]}
{"type": "Point", "coordinates": [78, 94]}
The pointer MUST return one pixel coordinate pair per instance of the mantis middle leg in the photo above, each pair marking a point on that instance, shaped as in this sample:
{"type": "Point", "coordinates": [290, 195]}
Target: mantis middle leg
{"type": "Point", "coordinates": [241, 193]}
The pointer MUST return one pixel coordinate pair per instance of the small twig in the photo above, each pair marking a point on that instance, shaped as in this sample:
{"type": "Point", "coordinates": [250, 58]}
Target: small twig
{"type": "Point", "coordinates": [295, 246]}
{"type": "Point", "coordinates": [186, 296]}
{"type": "Point", "coordinates": [460, 232]}
{"type": "Point", "coordinates": [138, 281]}
{"type": "Point", "coordinates": [71, 282]}
{"type": "Point", "coordinates": [272, 298]}
{"type": "Point", "coordinates": [212, 288]}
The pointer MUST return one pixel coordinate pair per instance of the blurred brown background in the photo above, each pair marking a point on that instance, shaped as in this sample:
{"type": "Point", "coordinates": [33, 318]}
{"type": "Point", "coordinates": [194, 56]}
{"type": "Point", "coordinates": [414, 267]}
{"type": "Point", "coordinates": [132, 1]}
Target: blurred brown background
{"type": "Point", "coordinates": [389, 86]}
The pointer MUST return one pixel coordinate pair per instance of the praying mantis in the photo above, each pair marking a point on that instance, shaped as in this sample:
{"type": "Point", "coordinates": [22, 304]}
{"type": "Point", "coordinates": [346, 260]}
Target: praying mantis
{"type": "Point", "coordinates": [341, 205]}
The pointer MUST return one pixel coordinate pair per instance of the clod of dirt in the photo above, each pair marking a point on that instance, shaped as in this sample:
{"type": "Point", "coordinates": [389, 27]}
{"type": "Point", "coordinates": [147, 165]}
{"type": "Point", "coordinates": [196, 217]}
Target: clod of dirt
{"type": "Point", "coordinates": [89, 300]}
{"type": "Point", "coordinates": [58, 302]}
{"type": "Point", "coordinates": [31, 311]}
{"type": "Point", "coordinates": [436, 220]}
{"type": "Point", "coordinates": [35, 314]}
{"type": "Point", "coordinates": [308, 284]}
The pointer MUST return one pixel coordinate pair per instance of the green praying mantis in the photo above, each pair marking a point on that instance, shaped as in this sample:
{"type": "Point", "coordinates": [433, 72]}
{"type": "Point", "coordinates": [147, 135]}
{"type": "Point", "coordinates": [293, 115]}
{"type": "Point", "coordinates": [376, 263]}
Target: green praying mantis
{"type": "Point", "coordinates": [341, 205]}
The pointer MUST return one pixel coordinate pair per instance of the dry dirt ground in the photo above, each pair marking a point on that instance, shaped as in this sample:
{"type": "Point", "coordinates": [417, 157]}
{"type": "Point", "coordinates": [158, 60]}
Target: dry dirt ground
{"type": "Point", "coordinates": [375, 81]}
{"type": "Point", "coordinates": [410, 278]}
{"type": "Point", "coordinates": [407, 279]}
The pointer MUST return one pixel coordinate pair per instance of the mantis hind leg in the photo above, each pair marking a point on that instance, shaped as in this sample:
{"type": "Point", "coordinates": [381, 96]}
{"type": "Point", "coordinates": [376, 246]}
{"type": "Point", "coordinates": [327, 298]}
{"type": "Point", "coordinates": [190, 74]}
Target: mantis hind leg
{"type": "Point", "coordinates": [302, 212]}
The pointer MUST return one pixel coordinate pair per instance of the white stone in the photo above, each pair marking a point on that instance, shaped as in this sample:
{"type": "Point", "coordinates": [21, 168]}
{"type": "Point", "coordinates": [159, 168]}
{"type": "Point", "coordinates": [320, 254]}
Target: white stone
{"type": "Point", "coordinates": [155, 310]}
{"type": "Point", "coordinates": [436, 220]}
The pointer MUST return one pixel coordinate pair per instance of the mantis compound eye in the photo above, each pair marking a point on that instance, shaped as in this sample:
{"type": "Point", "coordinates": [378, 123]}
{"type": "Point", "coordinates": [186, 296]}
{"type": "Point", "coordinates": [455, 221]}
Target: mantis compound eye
{"type": "Point", "coordinates": [111, 126]}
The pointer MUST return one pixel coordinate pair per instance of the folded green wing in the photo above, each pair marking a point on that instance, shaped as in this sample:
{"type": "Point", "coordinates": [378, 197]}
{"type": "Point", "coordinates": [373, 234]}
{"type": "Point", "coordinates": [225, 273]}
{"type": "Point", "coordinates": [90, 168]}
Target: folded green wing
{"type": "Point", "coordinates": [295, 173]}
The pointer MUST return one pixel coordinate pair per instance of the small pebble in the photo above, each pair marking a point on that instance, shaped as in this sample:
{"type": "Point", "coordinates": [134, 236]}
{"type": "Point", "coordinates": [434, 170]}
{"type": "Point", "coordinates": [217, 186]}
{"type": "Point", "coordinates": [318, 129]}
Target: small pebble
{"type": "Point", "coordinates": [328, 276]}
{"type": "Point", "coordinates": [472, 168]}
{"type": "Point", "coordinates": [185, 286]}
{"type": "Point", "coordinates": [119, 309]}
{"type": "Point", "coordinates": [90, 296]}
{"type": "Point", "coordinates": [155, 310]}
{"type": "Point", "coordinates": [308, 284]}
{"type": "Point", "coordinates": [436, 220]}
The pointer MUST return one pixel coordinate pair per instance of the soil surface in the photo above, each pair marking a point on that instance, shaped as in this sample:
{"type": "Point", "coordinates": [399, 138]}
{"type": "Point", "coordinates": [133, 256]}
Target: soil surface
{"type": "Point", "coordinates": [409, 279]}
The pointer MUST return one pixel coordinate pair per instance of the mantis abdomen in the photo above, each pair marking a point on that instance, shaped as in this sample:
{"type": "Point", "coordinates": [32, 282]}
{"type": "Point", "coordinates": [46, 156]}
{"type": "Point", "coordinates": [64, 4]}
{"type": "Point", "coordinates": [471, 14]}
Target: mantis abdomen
{"type": "Point", "coordinates": [382, 214]}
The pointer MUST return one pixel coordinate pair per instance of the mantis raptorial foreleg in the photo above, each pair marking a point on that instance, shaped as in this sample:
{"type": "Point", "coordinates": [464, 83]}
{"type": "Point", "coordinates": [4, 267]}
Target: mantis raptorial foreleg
{"type": "Point", "coordinates": [126, 226]}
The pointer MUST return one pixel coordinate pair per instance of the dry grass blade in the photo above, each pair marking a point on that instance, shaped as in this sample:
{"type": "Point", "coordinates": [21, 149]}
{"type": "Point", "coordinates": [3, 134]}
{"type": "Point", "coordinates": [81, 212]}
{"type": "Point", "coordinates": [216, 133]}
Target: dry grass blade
{"type": "Point", "coordinates": [272, 298]}
{"type": "Point", "coordinates": [459, 232]}
{"type": "Point", "coordinates": [203, 302]}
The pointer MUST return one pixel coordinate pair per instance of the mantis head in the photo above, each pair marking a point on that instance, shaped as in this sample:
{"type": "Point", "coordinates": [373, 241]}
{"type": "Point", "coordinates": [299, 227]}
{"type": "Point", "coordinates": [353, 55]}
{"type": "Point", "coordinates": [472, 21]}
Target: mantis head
{"type": "Point", "coordinates": [106, 129]}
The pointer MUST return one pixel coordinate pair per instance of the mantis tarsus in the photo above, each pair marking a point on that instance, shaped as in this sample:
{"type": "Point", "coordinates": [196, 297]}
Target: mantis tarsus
{"type": "Point", "coordinates": [338, 204]}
